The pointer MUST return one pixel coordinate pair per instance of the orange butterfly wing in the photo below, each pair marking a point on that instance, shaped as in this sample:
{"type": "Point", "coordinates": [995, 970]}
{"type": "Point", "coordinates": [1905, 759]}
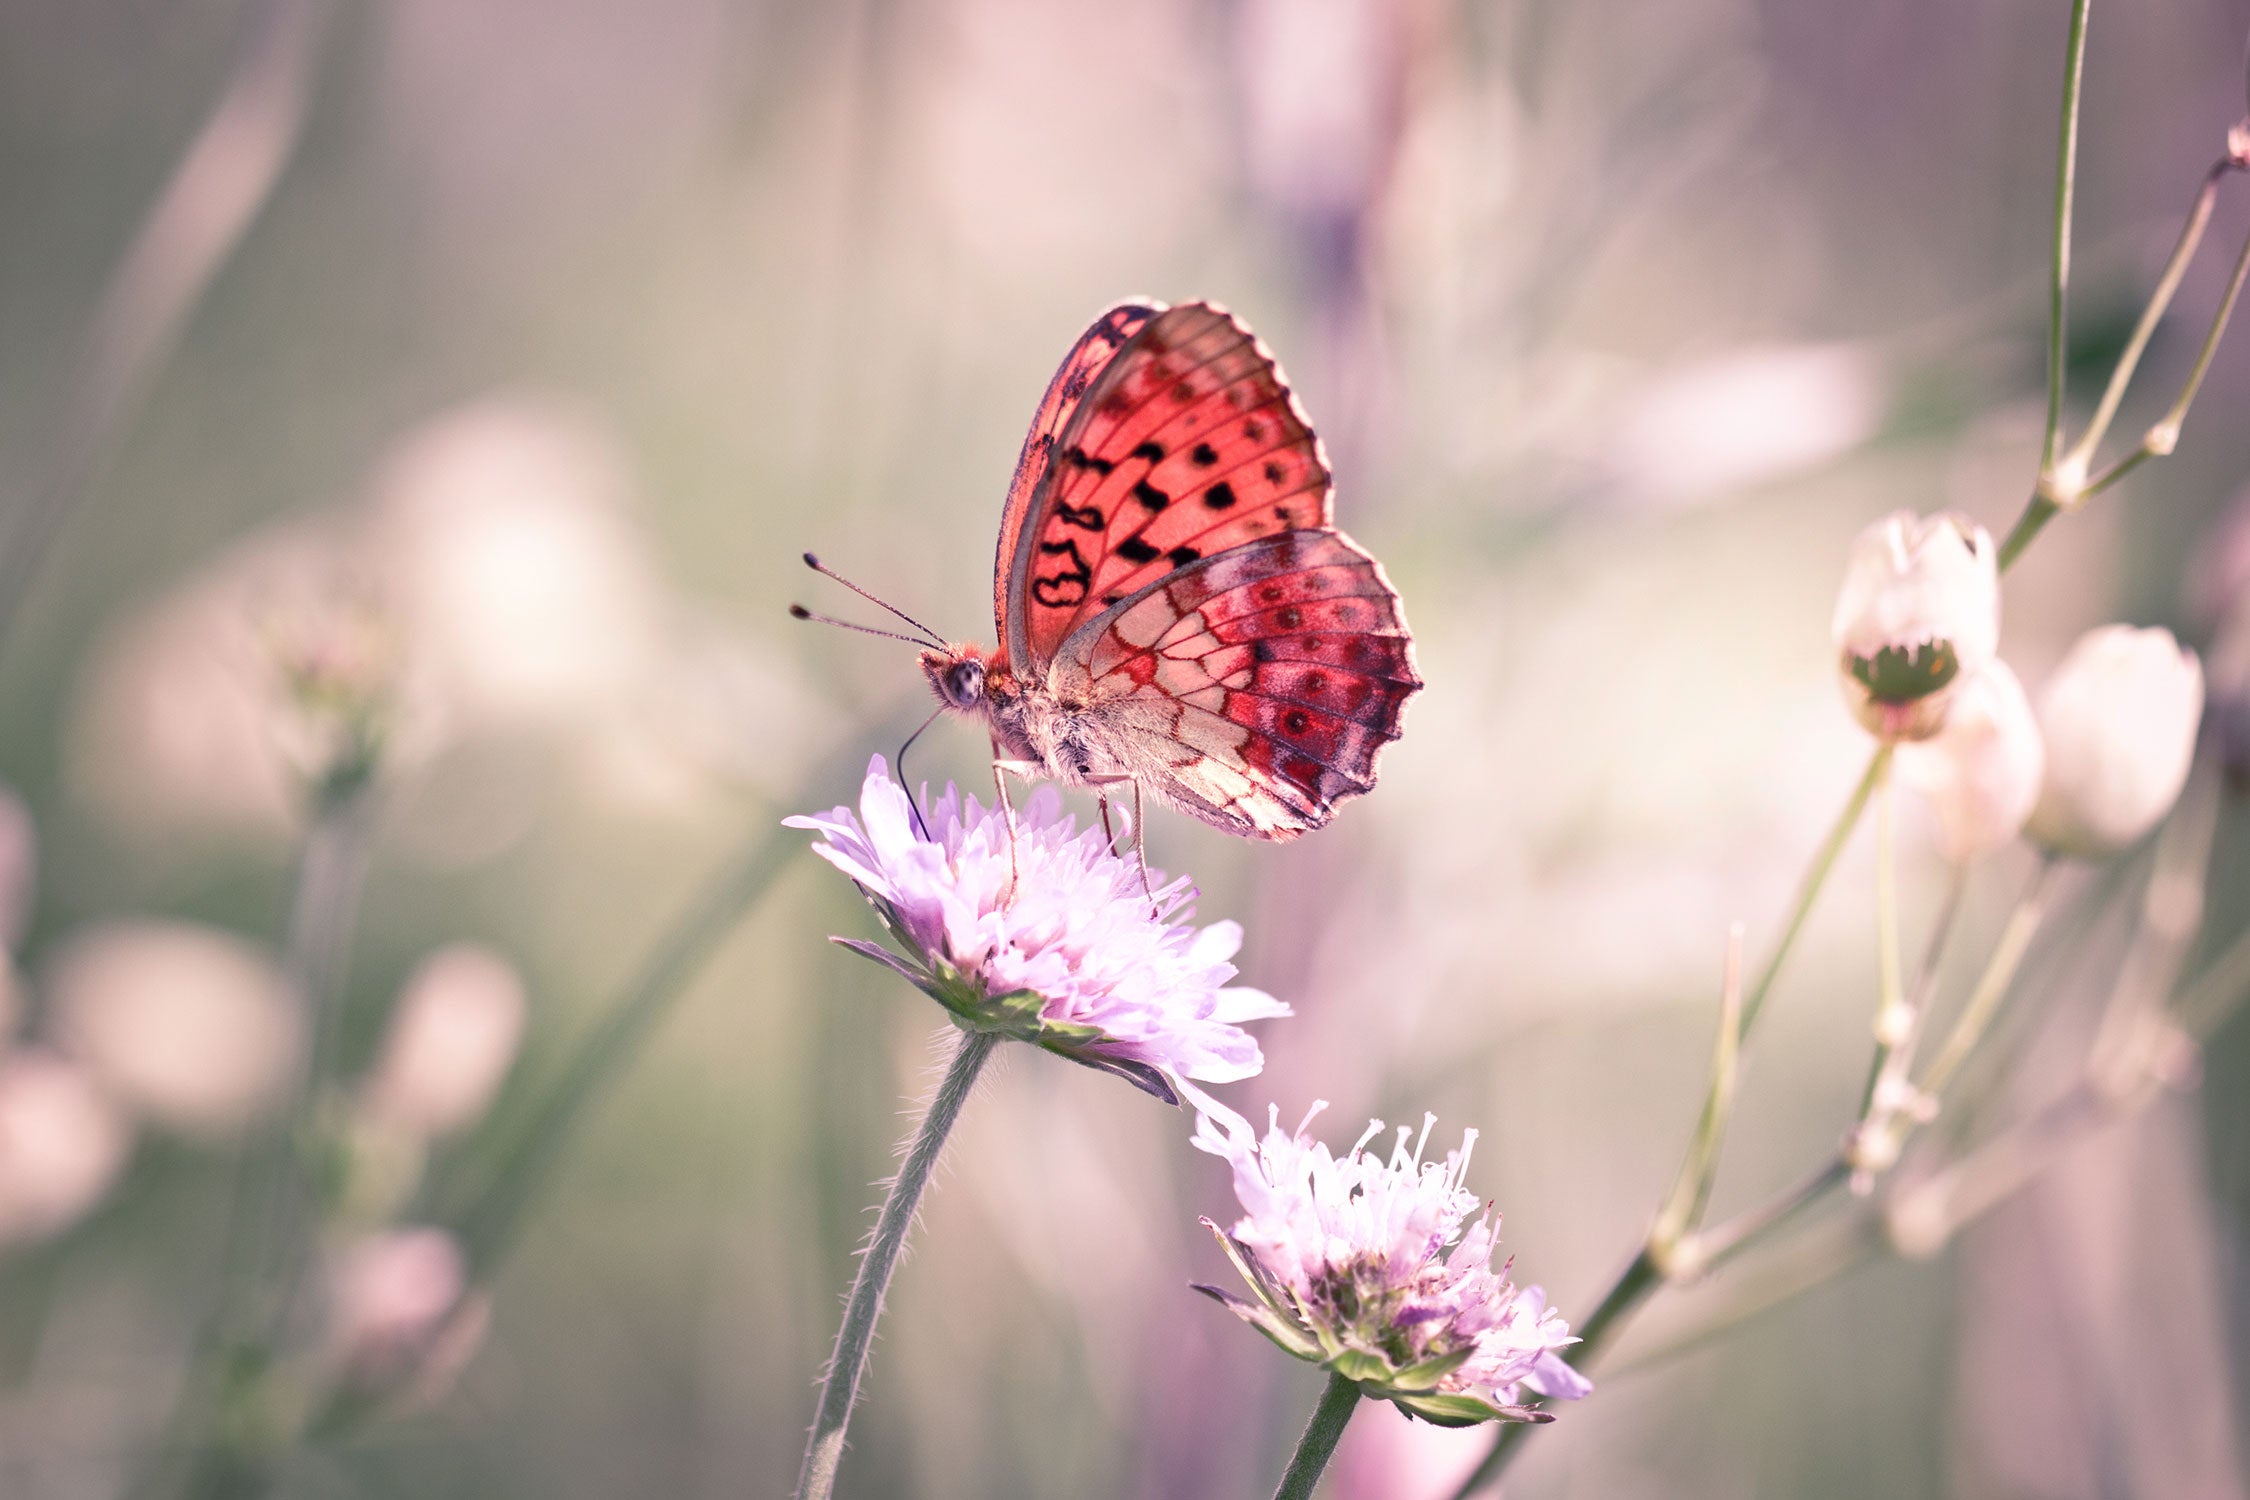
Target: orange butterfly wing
{"type": "Point", "coordinates": [1095, 348]}
{"type": "Point", "coordinates": [1186, 443]}
{"type": "Point", "coordinates": [1172, 564]}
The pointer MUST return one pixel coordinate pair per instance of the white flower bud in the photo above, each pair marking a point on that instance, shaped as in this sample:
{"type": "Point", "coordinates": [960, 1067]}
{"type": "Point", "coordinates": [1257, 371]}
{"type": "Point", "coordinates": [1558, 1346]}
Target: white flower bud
{"type": "Point", "coordinates": [185, 1025]}
{"type": "Point", "coordinates": [1919, 609]}
{"type": "Point", "coordinates": [2120, 716]}
{"type": "Point", "coordinates": [1981, 773]}
{"type": "Point", "coordinates": [451, 1040]}
{"type": "Point", "coordinates": [61, 1144]}
{"type": "Point", "coordinates": [400, 1310]}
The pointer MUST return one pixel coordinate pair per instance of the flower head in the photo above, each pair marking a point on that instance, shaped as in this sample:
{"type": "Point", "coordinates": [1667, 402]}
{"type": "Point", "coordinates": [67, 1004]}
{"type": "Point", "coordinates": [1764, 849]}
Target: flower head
{"type": "Point", "coordinates": [1981, 772]}
{"type": "Point", "coordinates": [1060, 945]}
{"type": "Point", "coordinates": [1920, 608]}
{"type": "Point", "coordinates": [2120, 716]}
{"type": "Point", "coordinates": [1360, 1264]}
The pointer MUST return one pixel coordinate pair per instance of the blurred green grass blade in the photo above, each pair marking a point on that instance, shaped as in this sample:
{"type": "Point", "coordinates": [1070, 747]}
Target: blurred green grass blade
{"type": "Point", "coordinates": [530, 1150]}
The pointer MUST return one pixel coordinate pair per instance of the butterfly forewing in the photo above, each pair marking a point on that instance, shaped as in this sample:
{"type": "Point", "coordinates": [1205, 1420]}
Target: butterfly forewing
{"type": "Point", "coordinates": [1095, 348]}
{"type": "Point", "coordinates": [1186, 444]}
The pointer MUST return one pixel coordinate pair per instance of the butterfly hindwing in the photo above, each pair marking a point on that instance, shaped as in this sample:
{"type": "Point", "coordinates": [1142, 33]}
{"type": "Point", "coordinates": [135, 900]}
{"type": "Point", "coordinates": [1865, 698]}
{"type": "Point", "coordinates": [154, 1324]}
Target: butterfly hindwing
{"type": "Point", "coordinates": [1255, 688]}
{"type": "Point", "coordinates": [1185, 444]}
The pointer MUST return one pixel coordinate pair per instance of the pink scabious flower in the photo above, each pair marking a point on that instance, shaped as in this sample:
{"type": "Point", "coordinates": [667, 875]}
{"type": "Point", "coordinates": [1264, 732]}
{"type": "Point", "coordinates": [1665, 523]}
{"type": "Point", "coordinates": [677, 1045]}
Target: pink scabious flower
{"type": "Point", "coordinates": [1360, 1264]}
{"type": "Point", "coordinates": [1064, 948]}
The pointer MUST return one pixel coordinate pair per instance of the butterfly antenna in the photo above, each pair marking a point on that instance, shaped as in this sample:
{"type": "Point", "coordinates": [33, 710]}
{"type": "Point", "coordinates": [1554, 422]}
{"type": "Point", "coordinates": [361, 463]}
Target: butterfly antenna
{"type": "Point", "coordinates": [799, 612]}
{"type": "Point", "coordinates": [913, 805]}
{"type": "Point", "coordinates": [822, 568]}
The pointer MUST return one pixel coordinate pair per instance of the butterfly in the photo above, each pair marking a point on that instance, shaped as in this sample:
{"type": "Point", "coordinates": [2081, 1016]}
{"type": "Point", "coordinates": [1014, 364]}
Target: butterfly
{"type": "Point", "coordinates": [1175, 607]}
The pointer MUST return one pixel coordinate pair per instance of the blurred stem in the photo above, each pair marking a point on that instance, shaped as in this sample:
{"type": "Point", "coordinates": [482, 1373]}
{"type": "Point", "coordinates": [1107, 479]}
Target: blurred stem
{"type": "Point", "coordinates": [1337, 1403]}
{"type": "Point", "coordinates": [1645, 1272]}
{"type": "Point", "coordinates": [2043, 506]}
{"type": "Point", "coordinates": [2081, 456]}
{"type": "Point", "coordinates": [2058, 262]}
{"type": "Point", "coordinates": [193, 228]}
{"type": "Point", "coordinates": [1892, 1056]}
{"type": "Point", "coordinates": [1747, 1230]}
{"type": "Point", "coordinates": [1691, 1190]}
{"type": "Point", "coordinates": [838, 1392]}
{"type": "Point", "coordinates": [1890, 1001]}
{"type": "Point", "coordinates": [1878, 765]}
{"type": "Point", "coordinates": [268, 1228]}
{"type": "Point", "coordinates": [2164, 436]}
{"type": "Point", "coordinates": [1639, 1278]}
{"type": "Point", "coordinates": [1992, 985]}
{"type": "Point", "coordinates": [488, 1226]}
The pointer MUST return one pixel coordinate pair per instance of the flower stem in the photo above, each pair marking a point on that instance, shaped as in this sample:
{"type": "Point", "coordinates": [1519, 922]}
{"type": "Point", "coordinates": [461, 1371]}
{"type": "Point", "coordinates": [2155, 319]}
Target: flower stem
{"type": "Point", "coordinates": [270, 1208]}
{"type": "Point", "coordinates": [2058, 262]}
{"type": "Point", "coordinates": [1645, 1273]}
{"type": "Point", "coordinates": [2161, 438]}
{"type": "Point", "coordinates": [1890, 1004]}
{"type": "Point", "coordinates": [1992, 985]}
{"type": "Point", "coordinates": [1642, 1276]}
{"type": "Point", "coordinates": [1893, 1055]}
{"type": "Point", "coordinates": [2042, 507]}
{"type": "Point", "coordinates": [542, 1134]}
{"type": "Point", "coordinates": [1815, 877]}
{"type": "Point", "coordinates": [2167, 284]}
{"type": "Point", "coordinates": [817, 1480]}
{"type": "Point", "coordinates": [1313, 1449]}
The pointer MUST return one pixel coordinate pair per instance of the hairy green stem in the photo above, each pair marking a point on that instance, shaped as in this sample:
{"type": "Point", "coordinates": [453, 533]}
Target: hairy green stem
{"type": "Point", "coordinates": [825, 1451]}
{"type": "Point", "coordinates": [1337, 1403]}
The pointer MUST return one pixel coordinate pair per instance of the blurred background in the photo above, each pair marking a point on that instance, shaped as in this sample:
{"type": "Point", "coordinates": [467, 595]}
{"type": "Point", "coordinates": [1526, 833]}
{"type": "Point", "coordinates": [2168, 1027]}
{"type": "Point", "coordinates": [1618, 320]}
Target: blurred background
{"type": "Point", "coordinates": [485, 365]}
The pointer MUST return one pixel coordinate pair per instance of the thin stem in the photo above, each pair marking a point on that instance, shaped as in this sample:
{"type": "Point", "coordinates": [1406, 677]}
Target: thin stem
{"type": "Point", "coordinates": [2213, 995]}
{"type": "Point", "coordinates": [1892, 1059]}
{"type": "Point", "coordinates": [2164, 436]}
{"type": "Point", "coordinates": [2058, 281]}
{"type": "Point", "coordinates": [817, 1480]}
{"type": "Point", "coordinates": [1815, 877]}
{"type": "Point", "coordinates": [1891, 1016]}
{"type": "Point", "coordinates": [1337, 1403]}
{"type": "Point", "coordinates": [1813, 1260]}
{"type": "Point", "coordinates": [1645, 1272]}
{"type": "Point", "coordinates": [1691, 1190]}
{"type": "Point", "coordinates": [2035, 516]}
{"type": "Point", "coordinates": [536, 1139]}
{"type": "Point", "coordinates": [544, 1131]}
{"type": "Point", "coordinates": [268, 1205]}
{"type": "Point", "coordinates": [1747, 1230]}
{"type": "Point", "coordinates": [1639, 1278]}
{"type": "Point", "coordinates": [2167, 284]}
{"type": "Point", "coordinates": [1992, 985]}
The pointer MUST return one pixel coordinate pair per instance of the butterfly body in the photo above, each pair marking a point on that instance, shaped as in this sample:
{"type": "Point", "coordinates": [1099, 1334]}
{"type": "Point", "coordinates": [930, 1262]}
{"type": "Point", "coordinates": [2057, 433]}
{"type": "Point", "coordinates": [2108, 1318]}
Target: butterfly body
{"type": "Point", "coordinates": [1175, 607]}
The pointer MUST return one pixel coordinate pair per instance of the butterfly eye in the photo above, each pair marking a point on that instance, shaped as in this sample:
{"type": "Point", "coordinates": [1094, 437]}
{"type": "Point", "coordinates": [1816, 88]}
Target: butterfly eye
{"type": "Point", "coordinates": [964, 684]}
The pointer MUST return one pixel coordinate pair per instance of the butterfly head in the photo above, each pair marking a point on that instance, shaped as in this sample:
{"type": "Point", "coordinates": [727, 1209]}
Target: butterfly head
{"type": "Point", "coordinates": [957, 674]}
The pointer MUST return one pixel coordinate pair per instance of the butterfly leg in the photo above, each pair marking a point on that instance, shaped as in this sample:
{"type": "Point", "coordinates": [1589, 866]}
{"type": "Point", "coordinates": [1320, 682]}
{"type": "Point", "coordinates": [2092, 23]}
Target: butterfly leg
{"type": "Point", "coordinates": [1140, 845]}
{"type": "Point", "coordinates": [1030, 771]}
